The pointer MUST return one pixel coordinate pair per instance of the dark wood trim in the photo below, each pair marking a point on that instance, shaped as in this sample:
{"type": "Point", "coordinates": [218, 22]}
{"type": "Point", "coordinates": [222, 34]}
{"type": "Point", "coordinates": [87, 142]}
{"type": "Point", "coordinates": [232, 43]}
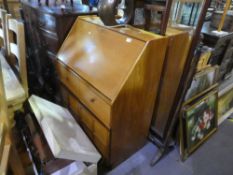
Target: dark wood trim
{"type": "Point", "coordinates": [189, 71]}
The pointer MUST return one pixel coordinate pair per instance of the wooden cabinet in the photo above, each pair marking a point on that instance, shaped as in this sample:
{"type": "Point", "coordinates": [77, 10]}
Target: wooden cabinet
{"type": "Point", "coordinates": [51, 24]}
{"type": "Point", "coordinates": [112, 77]}
{"type": "Point", "coordinates": [46, 27]}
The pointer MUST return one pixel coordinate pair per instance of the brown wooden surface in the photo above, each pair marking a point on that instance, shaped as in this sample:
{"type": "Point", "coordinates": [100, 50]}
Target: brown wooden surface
{"type": "Point", "coordinates": [178, 46]}
{"type": "Point", "coordinates": [92, 126]}
{"type": "Point", "coordinates": [99, 134]}
{"type": "Point", "coordinates": [132, 111]}
{"type": "Point", "coordinates": [125, 29]}
{"type": "Point", "coordinates": [15, 162]}
{"type": "Point", "coordinates": [87, 94]}
{"type": "Point", "coordinates": [4, 163]}
{"type": "Point", "coordinates": [12, 6]}
{"type": "Point", "coordinates": [93, 39]}
{"type": "Point", "coordinates": [128, 89]}
{"type": "Point", "coordinates": [2, 138]}
{"type": "Point", "coordinates": [48, 26]}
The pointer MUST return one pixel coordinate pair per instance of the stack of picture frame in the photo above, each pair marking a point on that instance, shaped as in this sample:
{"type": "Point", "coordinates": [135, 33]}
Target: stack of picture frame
{"type": "Point", "coordinates": [199, 114]}
{"type": "Point", "coordinates": [225, 99]}
{"type": "Point", "coordinates": [225, 105]}
{"type": "Point", "coordinates": [204, 58]}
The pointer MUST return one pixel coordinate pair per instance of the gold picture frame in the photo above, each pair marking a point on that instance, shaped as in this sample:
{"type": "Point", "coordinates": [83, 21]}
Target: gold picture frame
{"type": "Point", "coordinates": [203, 82]}
{"type": "Point", "coordinates": [198, 121]}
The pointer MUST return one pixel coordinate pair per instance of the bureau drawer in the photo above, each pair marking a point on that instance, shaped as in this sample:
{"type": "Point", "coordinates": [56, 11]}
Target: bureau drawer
{"type": "Point", "coordinates": [85, 93]}
{"type": "Point", "coordinates": [93, 128]}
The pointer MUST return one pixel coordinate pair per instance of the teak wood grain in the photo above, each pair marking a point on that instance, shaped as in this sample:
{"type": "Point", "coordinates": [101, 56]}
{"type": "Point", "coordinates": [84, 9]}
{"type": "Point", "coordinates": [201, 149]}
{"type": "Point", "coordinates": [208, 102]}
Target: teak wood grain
{"type": "Point", "coordinates": [85, 93]}
{"type": "Point", "coordinates": [133, 108]}
{"type": "Point", "coordinates": [119, 67]}
{"type": "Point", "coordinates": [96, 131]}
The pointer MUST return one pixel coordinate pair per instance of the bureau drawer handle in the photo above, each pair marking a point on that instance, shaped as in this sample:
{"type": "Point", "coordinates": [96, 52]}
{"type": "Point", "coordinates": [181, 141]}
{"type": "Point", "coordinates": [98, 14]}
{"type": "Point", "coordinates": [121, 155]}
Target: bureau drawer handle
{"type": "Point", "coordinates": [92, 100]}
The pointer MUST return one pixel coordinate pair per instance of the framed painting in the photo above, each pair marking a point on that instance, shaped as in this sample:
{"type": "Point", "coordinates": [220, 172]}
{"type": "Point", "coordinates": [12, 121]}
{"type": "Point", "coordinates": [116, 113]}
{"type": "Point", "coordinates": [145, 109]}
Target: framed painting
{"type": "Point", "coordinates": [203, 82]}
{"type": "Point", "coordinates": [199, 121]}
{"type": "Point", "coordinates": [204, 58]}
{"type": "Point", "coordinates": [225, 104]}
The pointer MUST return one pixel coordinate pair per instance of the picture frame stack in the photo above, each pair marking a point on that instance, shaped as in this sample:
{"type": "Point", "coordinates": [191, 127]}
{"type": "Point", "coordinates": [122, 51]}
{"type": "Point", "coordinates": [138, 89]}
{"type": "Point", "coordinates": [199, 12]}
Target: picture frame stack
{"type": "Point", "coordinates": [225, 105]}
{"type": "Point", "coordinates": [199, 114]}
{"type": "Point", "coordinates": [225, 99]}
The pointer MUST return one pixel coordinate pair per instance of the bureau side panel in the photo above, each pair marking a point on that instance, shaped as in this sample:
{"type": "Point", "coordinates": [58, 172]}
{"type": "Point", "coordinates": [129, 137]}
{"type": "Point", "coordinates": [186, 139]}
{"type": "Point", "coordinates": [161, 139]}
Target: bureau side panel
{"type": "Point", "coordinates": [133, 107]}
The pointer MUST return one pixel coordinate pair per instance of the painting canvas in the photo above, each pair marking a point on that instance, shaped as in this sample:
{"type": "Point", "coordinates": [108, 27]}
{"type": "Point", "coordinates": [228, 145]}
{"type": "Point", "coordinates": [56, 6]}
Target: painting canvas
{"type": "Point", "coordinates": [202, 81]}
{"type": "Point", "coordinates": [200, 121]}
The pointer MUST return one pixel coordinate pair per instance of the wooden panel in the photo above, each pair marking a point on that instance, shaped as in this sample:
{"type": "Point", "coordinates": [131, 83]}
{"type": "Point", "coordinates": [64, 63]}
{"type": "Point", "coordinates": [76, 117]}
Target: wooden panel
{"type": "Point", "coordinates": [64, 95]}
{"type": "Point", "coordinates": [86, 51]}
{"type": "Point", "coordinates": [73, 103]}
{"type": "Point", "coordinates": [14, 6]}
{"type": "Point", "coordinates": [115, 86]}
{"type": "Point", "coordinates": [51, 40]}
{"type": "Point", "coordinates": [2, 138]}
{"type": "Point", "coordinates": [47, 21]}
{"type": "Point", "coordinates": [104, 149]}
{"type": "Point", "coordinates": [86, 117]}
{"type": "Point", "coordinates": [178, 47]}
{"type": "Point", "coordinates": [87, 131]}
{"type": "Point", "coordinates": [127, 30]}
{"type": "Point", "coordinates": [4, 162]}
{"type": "Point", "coordinates": [101, 133]}
{"type": "Point", "coordinates": [94, 129]}
{"type": "Point", "coordinates": [132, 111]}
{"type": "Point", "coordinates": [101, 138]}
{"type": "Point", "coordinates": [85, 93]}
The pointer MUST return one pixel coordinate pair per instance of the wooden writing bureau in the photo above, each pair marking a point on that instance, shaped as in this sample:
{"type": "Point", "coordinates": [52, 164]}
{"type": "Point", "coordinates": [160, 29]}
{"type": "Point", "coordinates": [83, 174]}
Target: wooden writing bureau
{"type": "Point", "coordinates": [110, 79]}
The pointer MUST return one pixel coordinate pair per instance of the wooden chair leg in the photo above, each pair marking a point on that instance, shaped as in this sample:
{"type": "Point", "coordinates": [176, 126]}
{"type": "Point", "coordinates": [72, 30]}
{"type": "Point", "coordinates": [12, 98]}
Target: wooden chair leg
{"type": "Point", "coordinates": [11, 118]}
{"type": "Point", "coordinates": [5, 159]}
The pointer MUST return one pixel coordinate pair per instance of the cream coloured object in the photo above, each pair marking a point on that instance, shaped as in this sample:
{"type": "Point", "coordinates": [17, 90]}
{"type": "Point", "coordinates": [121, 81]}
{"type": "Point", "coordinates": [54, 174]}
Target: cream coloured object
{"type": "Point", "coordinates": [65, 137]}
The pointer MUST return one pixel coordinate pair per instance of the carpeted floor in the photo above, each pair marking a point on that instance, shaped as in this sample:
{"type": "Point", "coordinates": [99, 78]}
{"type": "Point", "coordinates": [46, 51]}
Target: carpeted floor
{"type": "Point", "coordinates": [214, 157]}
